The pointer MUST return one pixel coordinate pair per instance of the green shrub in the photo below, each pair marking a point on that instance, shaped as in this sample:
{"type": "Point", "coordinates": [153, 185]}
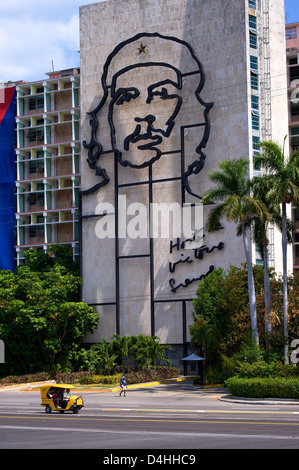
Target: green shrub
{"type": "Point", "coordinates": [100, 379]}
{"type": "Point", "coordinates": [152, 374]}
{"type": "Point", "coordinates": [196, 381]}
{"type": "Point", "coordinates": [70, 377]}
{"type": "Point", "coordinates": [61, 377]}
{"type": "Point", "coordinates": [263, 370]}
{"type": "Point", "coordinates": [264, 387]}
{"type": "Point", "coordinates": [22, 379]}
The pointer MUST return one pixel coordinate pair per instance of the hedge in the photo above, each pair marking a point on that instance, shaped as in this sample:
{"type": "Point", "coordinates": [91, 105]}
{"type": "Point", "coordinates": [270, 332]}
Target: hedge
{"type": "Point", "coordinates": [152, 374]}
{"type": "Point", "coordinates": [132, 377]}
{"type": "Point", "coordinates": [263, 387]}
{"type": "Point", "coordinates": [100, 379]}
{"type": "Point", "coordinates": [264, 370]}
{"type": "Point", "coordinates": [62, 377]}
{"type": "Point", "coordinates": [89, 377]}
{"type": "Point", "coordinates": [12, 380]}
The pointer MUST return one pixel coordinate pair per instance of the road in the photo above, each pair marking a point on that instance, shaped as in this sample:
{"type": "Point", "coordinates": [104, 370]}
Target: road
{"type": "Point", "coordinates": [172, 417]}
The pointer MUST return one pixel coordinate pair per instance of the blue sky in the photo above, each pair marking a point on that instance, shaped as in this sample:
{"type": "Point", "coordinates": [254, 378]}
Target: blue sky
{"type": "Point", "coordinates": [33, 33]}
{"type": "Point", "coordinates": [292, 11]}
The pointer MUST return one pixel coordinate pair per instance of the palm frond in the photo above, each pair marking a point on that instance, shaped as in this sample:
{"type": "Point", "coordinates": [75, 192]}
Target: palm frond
{"type": "Point", "coordinates": [214, 218]}
{"type": "Point", "coordinates": [271, 158]}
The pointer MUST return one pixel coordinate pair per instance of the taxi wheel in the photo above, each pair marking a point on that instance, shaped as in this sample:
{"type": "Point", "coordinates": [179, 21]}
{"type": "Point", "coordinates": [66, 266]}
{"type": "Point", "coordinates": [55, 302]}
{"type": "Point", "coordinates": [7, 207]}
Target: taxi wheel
{"type": "Point", "coordinates": [75, 411]}
{"type": "Point", "coordinates": [48, 409]}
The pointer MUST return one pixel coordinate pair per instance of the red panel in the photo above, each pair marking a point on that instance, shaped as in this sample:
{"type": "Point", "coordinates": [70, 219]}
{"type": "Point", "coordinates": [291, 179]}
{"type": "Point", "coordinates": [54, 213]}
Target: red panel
{"type": "Point", "coordinates": [8, 94]}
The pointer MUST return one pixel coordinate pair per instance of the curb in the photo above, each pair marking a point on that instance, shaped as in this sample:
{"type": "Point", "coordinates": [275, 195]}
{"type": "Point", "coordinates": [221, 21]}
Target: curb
{"type": "Point", "coordinates": [24, 387]}
{"type": "Point", "coordinates": [259, 401]}
{"type": "Point", "coordinates": [170, 381]}
{"type": "Point", "coordinates": [151, 384]}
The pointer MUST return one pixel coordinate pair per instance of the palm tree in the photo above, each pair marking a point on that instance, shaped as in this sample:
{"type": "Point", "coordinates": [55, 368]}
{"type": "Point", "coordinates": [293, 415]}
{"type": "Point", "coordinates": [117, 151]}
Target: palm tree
{"type": "Point", "coordinates": [232, 194]}
{"type": "Point", "coordinates": [260, 236]}
{"type": "Point", "coordinates": [122, 345]}
{"type": "Point", "coordinates": [282, 181]}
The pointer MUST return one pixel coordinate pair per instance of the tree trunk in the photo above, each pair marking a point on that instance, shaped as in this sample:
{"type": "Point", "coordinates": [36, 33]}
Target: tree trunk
{"type": "Point", "coordinates": [267, 293]}
{"type": "Point", "coordinates": [285, 282]}
{"type": "Point", "coordinates": [251, 288]}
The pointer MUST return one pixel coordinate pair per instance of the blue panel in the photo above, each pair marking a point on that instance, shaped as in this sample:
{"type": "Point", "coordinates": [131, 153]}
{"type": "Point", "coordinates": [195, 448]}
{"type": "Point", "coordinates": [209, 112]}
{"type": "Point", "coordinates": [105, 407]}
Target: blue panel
{"type": "Point", "coordinates": [7, 181]}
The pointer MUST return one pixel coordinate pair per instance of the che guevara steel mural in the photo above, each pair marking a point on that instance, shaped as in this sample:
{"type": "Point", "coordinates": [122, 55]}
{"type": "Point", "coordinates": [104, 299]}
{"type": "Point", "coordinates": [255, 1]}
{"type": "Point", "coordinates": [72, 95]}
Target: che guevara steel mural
{"type": "Point", "coordinates": [143, 90]}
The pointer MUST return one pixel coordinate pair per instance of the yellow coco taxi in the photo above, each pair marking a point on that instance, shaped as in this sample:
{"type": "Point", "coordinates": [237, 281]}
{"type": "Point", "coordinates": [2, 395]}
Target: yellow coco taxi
{"type": "Point", "coordinates": [59, 398]}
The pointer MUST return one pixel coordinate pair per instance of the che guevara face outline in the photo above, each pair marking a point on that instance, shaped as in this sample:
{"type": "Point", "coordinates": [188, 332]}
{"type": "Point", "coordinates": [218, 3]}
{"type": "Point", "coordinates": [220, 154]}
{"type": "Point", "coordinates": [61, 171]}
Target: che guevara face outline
{"type": "Point", "coordinates": [94, 146]}
{"type": "Point", "coordinates": [145, 133]}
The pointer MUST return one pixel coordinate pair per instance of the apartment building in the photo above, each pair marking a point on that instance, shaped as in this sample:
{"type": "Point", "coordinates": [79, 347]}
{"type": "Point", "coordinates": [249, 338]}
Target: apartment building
{"type": "Point", "coordinates": [47, 163]}
{"type": "Point", "coordinates": [229, 58]}
{"type": "Point", "coordinates": [237, 52]}
{"type": "Point", "coordinates": [48, 145]}
{"type": "Point", "coordinates": [292, 48]}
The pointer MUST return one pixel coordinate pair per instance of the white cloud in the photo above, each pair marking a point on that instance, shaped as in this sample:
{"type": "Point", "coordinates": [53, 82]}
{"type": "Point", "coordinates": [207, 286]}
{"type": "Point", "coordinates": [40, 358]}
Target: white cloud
{"type": "Point", "coordinates": [61, 9]}
{"type": "Point", "coordinates": [27, 53]}
{"type": "Point", "coordinates": [35, 33]}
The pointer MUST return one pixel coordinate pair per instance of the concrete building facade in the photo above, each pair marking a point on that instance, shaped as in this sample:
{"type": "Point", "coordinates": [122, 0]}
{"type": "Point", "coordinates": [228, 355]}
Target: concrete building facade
{"type": "Point", "coordinates": [292, 47]}
{"type": "Point", "coordinates": [209, 72]}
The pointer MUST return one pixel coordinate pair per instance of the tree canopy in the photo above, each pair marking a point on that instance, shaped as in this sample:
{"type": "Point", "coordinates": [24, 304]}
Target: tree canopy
{"type": "Point", "coordinates": [42, 322]}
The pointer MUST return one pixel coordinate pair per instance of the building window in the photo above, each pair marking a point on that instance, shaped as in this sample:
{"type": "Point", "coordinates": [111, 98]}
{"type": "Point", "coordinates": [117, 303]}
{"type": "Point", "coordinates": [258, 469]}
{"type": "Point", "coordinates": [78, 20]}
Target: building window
{"type": "Point", "coordinates": [255, 166]}
{"type": "Point", "coordinates": [252, 22]}
{"type": "Point", "coordinates": [36, 199]}
{"type": "Point", "coordinates": [291, 33]}
{"type": "Point", "coordinates": [255, 102]}
{"type": "Point", "coordinates": [36, 102]}
{"type": "Point", "coordinates": [36, 135]}
{"type": "Point", "coordinates": [255, 122]}
{"type": "Point", "coordinates": [36, 231]}
{"type": "Point", "coordinates": [36, 166]}
{"type": "Point", "coordinates": [294, 110]}
{"type": "Point", "coordinates": [252, 40]}
{"type": "Point", "coordinates": [254, 63]}
{"type": "Point", "coordinates": [254, 81]}
{"type": "Point", "coordinates": [252, 4]}
{"type": "Point", "coordinates": [255, 143]}
{"type": "Point", "coordinates": [294, 73]}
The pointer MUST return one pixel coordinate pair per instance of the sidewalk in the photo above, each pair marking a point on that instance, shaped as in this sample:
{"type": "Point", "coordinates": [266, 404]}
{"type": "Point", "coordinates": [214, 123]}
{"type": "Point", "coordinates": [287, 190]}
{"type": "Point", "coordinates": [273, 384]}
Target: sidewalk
{"type": "Point", "coordinates": [178, 384]}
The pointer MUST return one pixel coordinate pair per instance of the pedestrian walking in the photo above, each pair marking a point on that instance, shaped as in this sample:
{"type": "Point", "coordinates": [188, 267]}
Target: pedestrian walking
{"type": "Point", "coordinates": [123, 385]}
